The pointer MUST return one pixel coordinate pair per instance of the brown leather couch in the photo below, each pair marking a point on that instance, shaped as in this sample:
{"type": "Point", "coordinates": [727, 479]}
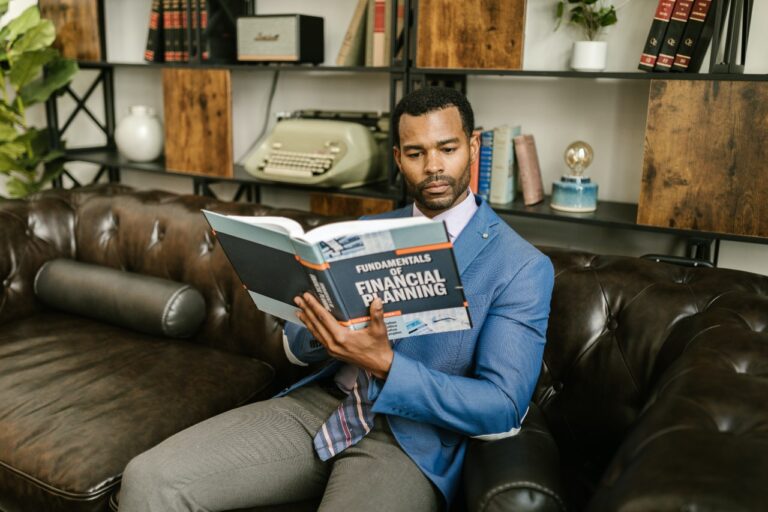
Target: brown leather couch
{"type": "Point", "coordinates": [652, 396]}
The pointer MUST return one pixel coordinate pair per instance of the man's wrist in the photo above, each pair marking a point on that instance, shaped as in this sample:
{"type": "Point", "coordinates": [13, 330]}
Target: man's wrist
{"type": "Point", "coordinates": [382, 370]}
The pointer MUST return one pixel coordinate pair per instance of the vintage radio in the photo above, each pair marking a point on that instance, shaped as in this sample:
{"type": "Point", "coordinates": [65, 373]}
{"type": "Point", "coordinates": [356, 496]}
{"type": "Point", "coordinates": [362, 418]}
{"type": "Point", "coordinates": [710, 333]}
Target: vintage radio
{"type": "Point", "coordinates": [280, 38]}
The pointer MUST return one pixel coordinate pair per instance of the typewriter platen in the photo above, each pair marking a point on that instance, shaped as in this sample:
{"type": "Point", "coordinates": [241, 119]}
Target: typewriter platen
{"type": "Point", "coordinates": [323, 148]}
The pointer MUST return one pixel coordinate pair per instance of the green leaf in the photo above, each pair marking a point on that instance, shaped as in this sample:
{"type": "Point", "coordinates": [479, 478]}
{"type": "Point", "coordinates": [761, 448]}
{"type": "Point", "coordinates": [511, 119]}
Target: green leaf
{"type": "Point", "coordinates": [28, 66]}
{"type": "Point", "coordinates": [7, 163]}
{"type": "Point", "coordinates": [53, 155]}
{"type": "Point", "coordinates": [7, 132]}
{"type": "Point", "coordinates": [559, 9]}
{"type": "Point", "coordinates": [589, 2]}
{"type": "Point", "coordinates": [8, 114]}
{"type": "Point", "coordinates": [59, 73]}
{"type": "Point", "coordinates": [20, 24]}
{"type": "Point", "coordinates": [13, 150]}
{"type": "Point", "coordinates": [609, 18]}
{"type": "Point", "coordinates": [38, 140]}
{"type": "Point", "coordinates": [40, 36]}
{"type": "Point", "coordinates": [17, 188]}
{"type": "Point", "coordinates": [4, 6]}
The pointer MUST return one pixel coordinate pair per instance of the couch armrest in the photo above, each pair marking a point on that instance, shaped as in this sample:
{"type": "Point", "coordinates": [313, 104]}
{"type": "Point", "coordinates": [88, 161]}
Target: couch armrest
{"type": "Point", "coordinates": [520, 473]}
{"type": "Point", "coordinates": [701, 441]}
{"type": "Point", "coordinates": [31, 233]}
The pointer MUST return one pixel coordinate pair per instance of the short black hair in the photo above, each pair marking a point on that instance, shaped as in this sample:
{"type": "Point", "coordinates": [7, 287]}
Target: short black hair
{"type": "Point", "coordinates": [429, 99]}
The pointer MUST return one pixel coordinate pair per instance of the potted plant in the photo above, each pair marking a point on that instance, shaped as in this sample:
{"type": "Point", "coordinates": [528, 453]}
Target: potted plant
{"type": "Point", "coordinates": [31, 72]}
{"type": "Point", "coordinates": [591, 16]}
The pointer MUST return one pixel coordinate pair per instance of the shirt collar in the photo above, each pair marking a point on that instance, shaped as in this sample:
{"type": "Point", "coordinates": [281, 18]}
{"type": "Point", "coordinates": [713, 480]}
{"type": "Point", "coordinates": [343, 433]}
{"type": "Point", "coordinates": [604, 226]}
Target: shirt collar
{"type": "Point", "coordinates": [455, 218]}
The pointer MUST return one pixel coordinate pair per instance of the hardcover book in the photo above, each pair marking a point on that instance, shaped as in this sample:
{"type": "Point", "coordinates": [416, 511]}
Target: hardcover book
{"type": "Point", "coordinates": [674, 33]}
{"type": "Point", "coordinates": [656, 35]}
{"type": "Point", "coordinates": [154, 51]}
{"type": "Point", "coordinates": [484, 165]}
{"type": "Point", "coordinates": [529, 171]}
{"type": "Point", "coordinates": [352, 48]}
{"type": "Point", "coordinates": [408, 263]}
{"type": "Point", "coordinates": [503, 164]}
{"type": "Point", "coordinates": [696, 38]}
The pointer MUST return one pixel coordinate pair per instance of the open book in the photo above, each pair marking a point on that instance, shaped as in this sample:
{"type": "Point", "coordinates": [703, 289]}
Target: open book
{"type": "Point", "coordinates": [408, 263]}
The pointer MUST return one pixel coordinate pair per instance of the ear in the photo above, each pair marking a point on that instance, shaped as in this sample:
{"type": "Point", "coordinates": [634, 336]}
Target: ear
{"type": "Point", "coordinates": [474, 147]}
{"type": "Point", "coordinates": [397, 154]}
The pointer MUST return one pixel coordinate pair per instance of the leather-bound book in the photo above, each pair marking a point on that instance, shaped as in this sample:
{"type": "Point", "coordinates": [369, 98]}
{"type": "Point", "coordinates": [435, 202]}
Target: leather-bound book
{"type": "Point", "coordinates": [529, 172]}
{"type": "Point", "coordinates": [154, 48]}
{"type": "Point", "coordinates": [656, 34]}
{"type": "Point", "coordinates": [696, 38]}
{"type": "Point", "coordinates": [674, 34]}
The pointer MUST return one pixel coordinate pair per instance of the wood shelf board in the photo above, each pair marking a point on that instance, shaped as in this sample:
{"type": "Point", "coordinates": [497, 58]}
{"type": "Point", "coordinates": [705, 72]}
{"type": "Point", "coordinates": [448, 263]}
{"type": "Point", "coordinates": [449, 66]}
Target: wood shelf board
{"type": "Point", "coordinates": [110, 158]}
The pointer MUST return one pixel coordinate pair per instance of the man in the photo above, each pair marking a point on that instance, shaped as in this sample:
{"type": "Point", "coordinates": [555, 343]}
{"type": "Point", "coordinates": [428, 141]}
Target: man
{"type": "Point", "coordinates": [385, 426]}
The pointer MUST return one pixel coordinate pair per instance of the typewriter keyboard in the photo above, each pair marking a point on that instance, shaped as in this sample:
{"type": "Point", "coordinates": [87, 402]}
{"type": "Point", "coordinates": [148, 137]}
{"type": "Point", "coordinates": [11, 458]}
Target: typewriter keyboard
{"type": "Point", "coordinates": [297, 163]}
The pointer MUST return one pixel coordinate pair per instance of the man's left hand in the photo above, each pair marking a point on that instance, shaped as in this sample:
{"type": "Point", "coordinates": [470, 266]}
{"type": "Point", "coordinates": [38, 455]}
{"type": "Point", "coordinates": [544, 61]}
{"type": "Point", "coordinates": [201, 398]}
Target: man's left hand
{"type": "Point", "coordinates": [368, 348]}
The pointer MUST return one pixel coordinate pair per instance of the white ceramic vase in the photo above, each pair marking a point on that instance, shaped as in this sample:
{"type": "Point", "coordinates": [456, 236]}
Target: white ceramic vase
{"type": "Point", "coordinates": [139, 135]}
{"type": "Point", "coordinates": [589, 55]}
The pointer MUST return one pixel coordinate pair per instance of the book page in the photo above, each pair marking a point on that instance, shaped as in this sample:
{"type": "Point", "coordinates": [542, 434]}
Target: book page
{"type": "Point", "coordinates": [279, 224]}
{"type": "Point", "coordinates": [358, 227]}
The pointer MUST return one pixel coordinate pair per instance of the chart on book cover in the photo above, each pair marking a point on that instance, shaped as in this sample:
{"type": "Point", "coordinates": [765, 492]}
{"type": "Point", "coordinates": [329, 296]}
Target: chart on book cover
{"type": "Point", "coordinates": [417, 282]}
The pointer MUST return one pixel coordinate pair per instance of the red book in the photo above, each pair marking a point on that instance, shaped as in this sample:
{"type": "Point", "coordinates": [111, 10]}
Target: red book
{"type": "Point", "coordinates": [673, 35]}
{"type": "Point", "coordinates": [695, 38]}
{"type": "Point", "coordinates": [529, 172]}
{"type": "Point", "coordinates": [656, 34]}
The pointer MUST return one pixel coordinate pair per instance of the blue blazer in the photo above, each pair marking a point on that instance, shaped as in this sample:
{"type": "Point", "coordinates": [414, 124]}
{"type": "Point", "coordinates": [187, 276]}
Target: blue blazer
{"type": "Point", "coordinates": [445, 387]}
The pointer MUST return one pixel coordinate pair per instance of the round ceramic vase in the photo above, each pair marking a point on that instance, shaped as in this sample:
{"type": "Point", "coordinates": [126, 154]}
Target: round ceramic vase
{"type": "Point", "coordinates": [139, 135]}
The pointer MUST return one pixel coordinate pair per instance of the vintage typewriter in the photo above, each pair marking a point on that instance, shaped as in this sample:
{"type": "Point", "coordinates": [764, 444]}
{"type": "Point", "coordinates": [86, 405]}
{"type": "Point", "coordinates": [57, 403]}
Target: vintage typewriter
{"type": "Point", "coordinates": [323, 148]}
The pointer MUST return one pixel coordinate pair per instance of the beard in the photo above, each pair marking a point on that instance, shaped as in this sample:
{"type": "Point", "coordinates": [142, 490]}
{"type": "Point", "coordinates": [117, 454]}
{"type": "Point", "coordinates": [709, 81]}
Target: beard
{"type": "Point", "coordinates": [457, 188]}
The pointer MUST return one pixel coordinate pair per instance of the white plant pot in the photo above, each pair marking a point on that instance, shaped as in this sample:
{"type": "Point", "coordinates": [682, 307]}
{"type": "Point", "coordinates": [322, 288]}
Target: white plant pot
{"type": "Point", "coordinates": [139, 135]}
{"type": "Point", "coordinates": [589, 55]}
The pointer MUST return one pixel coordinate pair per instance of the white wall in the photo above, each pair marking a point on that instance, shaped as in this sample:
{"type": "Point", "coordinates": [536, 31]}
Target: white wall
{"type": "Point", "coordinates": [607, 113]}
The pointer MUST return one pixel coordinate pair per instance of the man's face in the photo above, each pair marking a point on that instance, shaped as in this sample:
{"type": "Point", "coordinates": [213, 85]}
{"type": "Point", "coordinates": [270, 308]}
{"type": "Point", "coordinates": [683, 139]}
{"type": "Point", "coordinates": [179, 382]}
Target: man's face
{"type": "Point", "coordinates": [435, 157]}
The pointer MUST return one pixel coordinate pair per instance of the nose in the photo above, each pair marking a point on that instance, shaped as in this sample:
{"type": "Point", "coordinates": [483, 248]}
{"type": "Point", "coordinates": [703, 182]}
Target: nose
{"type": "Point", "coordinates": [434, 162]}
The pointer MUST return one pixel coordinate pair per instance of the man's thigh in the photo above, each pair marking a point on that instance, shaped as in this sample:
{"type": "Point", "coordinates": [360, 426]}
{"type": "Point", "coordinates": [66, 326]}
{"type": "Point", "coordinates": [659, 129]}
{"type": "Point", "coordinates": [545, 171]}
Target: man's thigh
{"type": "Point", "coordinates": [377, 475]}
{"type": "Point", "coordinates": [259, 454]}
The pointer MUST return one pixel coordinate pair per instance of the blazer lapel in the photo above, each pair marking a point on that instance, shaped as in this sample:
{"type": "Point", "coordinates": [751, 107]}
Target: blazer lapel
{"type": "Point", "coordinates": [475, 236]}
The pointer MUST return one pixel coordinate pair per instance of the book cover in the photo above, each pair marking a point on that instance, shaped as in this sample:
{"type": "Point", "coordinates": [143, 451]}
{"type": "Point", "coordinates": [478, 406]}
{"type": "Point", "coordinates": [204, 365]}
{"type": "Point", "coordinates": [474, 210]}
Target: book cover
{"type": "Point", "coordinates": [529, 172]}
{"type": "Point", "coordinates": [672, 37]}
{"type": "Point", "coordinates": [408, 263]}
{"type": "Point", "coordinates": [379, 28]}
{"type": "Point", "coordinates": [167, 30]}
{"type": "Point", "coordinates": [503, 164]}
{"type": "Point", "coordinates": [154, 51]}
{"type": "Point", "coordinates": [656, 34]}
{"type": "Point", "coordinates": [352, 48]}
{"type": "Point", "coordinates": [696, 38]}
{"type": "Point", "coordinates": [484, 165]}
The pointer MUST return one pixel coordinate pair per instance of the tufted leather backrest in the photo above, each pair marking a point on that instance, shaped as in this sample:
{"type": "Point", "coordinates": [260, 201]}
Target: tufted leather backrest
{"type": "Point", "coordinates": [616, 325]}
{"type": "Point", "coordinates": [153, 233]}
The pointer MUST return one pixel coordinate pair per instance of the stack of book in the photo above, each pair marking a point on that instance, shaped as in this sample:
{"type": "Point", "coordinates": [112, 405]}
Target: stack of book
{"type": "Point", "coordinates": [679, 36]}
{"type": "Point", "coordinates": [176, 27]}
{"type": "Point", "coordinates": [367, 40]}
{"type": "Point", "coordinates": [507, 159]}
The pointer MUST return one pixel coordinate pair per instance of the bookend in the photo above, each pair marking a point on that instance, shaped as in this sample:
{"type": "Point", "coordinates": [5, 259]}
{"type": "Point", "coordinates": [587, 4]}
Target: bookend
{"type": "Point", "coordinates": [217, 39]}
{"type": "Point", "coordinates": [739, 17]}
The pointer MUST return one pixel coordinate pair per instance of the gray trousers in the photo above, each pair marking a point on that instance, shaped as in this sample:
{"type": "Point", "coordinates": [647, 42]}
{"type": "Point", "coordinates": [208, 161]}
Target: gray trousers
{"type": "Point", "coordinates": [262, 454]}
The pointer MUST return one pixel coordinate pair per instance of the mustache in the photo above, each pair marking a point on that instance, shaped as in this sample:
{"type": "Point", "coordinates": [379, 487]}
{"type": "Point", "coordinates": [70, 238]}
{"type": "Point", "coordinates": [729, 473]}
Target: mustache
{"type": "Point", "coordinates": [437, 178]}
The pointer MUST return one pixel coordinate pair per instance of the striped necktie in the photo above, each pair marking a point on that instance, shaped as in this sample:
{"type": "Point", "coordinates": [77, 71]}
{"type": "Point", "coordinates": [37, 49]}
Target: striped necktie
{"type": "Point", "coordinates": [349, 423]}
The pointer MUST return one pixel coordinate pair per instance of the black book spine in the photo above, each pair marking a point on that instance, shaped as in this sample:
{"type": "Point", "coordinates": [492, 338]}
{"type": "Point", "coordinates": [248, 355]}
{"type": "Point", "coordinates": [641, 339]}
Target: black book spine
{"type": "Point", "coordinates": [154, 48]}
{"type": "Point", "coordinates": [694, 38]}
{"type": "Point", "coordinates": [656, 34]}
{"type": "Point", "coordinates": [674, 34]}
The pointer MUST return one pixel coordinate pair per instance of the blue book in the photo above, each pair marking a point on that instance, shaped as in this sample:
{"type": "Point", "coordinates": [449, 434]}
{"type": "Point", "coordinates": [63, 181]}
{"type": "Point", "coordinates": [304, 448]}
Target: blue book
{"type": "Point", "coordinates": [407, 262]}
{"type": "Point", "coordinates": [486, 160]}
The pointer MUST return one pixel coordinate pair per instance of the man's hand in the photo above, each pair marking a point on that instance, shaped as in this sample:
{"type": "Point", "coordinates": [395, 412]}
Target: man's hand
{"type": "Point", "coordinates": [368, 348]}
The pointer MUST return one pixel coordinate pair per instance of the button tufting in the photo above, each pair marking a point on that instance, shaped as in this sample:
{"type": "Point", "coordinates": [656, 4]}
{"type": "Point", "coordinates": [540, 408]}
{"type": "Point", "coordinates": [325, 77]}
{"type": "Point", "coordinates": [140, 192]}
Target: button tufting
{"type": "Point", "coordinates": [613, 324]}
{"type": "Point", "coordinates": [557, 386]}
{"type": "Point", "coordinates": [6, 282]}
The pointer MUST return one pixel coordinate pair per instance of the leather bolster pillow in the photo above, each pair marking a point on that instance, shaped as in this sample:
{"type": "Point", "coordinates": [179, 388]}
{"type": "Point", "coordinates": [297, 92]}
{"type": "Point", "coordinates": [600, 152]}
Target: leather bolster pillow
{"type": "Point", "coordinates": [143, 303]}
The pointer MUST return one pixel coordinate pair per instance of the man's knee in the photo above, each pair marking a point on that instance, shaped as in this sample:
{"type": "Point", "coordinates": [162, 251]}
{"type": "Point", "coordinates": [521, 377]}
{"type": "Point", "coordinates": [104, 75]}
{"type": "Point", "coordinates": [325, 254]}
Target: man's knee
{"type": "Point", "coordinates": [146, 479]}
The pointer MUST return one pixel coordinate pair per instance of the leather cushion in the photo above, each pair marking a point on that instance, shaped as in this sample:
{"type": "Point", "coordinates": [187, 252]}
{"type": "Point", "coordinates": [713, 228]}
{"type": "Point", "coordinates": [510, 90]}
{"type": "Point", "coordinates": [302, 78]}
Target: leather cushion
{"type": "Point", "coordinates": [147, 304]}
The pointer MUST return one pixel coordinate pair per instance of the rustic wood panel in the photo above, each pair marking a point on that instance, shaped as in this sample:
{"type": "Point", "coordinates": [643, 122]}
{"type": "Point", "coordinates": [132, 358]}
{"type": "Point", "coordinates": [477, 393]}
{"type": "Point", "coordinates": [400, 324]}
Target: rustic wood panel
{"type": "Point", "coordinates": [339, 205]}
{"type": "Point", "coordinates": [77, 27]}
{"type": "Point", "coordinates": [705, 162]}
{"type": "Point", "coordinates": [470, 34]}
{"type": "Point", "coordinates": [198, 121]}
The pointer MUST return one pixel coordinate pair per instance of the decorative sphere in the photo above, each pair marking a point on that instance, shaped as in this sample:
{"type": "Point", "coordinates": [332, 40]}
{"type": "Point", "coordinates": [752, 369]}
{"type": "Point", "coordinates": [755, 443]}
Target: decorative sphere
{"type": "Point", "coordinates": [578, 156]}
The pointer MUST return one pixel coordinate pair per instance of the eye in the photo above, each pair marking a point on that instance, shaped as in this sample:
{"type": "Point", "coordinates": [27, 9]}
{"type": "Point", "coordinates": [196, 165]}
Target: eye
{"type": "Point", "coordinates": [449, 149]}
{"type": "Point", "coordinates": [414, 154]}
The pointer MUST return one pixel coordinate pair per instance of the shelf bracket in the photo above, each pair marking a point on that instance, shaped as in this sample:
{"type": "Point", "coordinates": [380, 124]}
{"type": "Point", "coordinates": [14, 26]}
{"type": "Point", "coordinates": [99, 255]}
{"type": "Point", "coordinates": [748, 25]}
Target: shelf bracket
{"type": "Point", "coordinates": [734, 55]}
